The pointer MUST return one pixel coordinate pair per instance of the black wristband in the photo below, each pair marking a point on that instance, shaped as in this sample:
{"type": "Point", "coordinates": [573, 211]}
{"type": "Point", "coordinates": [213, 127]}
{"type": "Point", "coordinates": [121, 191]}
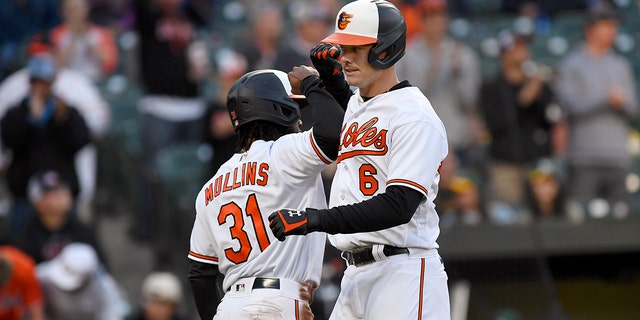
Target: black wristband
{"type": "Point", "coordinates": [313, 220]}
{"type": "Point", "coordinates": [309, 82]}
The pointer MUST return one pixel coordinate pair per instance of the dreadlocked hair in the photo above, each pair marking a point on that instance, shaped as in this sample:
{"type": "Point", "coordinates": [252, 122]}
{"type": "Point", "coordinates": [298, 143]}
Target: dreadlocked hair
{"type": "Point", "coordinates": [259, 130]}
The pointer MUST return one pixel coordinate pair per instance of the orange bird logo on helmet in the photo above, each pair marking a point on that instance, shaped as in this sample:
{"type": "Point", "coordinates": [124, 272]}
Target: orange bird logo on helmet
{"type": "Point", "coordinates": [343, 20]}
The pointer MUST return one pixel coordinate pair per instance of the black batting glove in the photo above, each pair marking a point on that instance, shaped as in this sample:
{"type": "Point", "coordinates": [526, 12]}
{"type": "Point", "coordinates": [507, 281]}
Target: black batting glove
{"type": "Point", "coordinates": [325, 59]}
{"type": "Point", "coordinates": [286, 222]}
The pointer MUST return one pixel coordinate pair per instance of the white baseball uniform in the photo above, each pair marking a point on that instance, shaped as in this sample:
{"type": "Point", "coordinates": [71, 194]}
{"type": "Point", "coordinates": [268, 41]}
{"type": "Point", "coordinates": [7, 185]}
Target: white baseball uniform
{"type": "Point", "coordinates": [394, 138]}
{"type": "Point", "coordinates": [232, 229]}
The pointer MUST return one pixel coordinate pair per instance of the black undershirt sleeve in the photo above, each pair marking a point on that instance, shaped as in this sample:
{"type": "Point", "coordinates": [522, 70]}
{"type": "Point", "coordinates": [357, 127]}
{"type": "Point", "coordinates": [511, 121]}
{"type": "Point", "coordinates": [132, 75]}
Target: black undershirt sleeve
{"type": "Point", "coordinates": [327, 115]}
{"type": "Point", "coordinates": [338, 87]}
{"type": "Point", "coordinates": [392, 208]}
{"type": "Point", "coordinates": [206, 285]}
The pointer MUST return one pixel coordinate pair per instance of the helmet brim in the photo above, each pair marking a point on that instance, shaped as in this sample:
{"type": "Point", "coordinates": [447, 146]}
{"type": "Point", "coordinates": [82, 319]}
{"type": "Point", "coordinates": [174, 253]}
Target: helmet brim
{"type": "Point", "coordinates": [349, 39]}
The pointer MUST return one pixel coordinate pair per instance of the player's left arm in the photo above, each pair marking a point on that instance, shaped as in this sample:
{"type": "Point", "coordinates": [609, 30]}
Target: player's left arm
{"type": "Point", "coordinates": [206, 285]}
{"type": "Point", "coordinates": [327, 115]}
{"type": "Point", "coordinates": [310, 151]}
{"type": "Point", "coordinates": [391, 208]}
{"type": "Point", "coordinates": [204, 276]}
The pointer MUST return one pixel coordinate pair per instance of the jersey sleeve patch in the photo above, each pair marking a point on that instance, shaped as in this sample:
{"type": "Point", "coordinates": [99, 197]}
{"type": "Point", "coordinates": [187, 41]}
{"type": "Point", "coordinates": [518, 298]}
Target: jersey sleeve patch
{"type": "Point", "coordinates": [318, 151]}
{"type": "Point", "coordinates": [202, 258]}
{"type": "Point", "coordinates": [410, 184]}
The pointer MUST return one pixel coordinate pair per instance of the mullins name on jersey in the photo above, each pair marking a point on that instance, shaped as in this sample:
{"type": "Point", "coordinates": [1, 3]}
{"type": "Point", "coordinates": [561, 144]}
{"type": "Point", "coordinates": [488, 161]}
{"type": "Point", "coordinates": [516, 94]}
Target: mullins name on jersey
{"type": "Point", "coordinates": [250, 173]}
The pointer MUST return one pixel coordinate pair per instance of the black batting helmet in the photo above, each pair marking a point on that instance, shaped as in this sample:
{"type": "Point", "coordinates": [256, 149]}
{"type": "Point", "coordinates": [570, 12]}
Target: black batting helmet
{"type": "Point", "coordinates": [372, 22]}
{"type": "Point", "coordinates": [263, 95]}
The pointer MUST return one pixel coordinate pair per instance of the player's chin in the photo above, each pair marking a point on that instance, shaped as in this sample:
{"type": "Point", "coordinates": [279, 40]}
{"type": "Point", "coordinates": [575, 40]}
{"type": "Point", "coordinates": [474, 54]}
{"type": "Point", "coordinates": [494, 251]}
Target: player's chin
{"type": "Point", "coordinates": [353, 78]}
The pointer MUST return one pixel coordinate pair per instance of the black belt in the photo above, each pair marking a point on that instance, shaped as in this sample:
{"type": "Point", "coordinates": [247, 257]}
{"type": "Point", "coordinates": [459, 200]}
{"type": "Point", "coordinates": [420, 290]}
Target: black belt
{"type": "Point", "coordinates": [365, 256]}
{"type": "Point", "coordinates": [264, 283]}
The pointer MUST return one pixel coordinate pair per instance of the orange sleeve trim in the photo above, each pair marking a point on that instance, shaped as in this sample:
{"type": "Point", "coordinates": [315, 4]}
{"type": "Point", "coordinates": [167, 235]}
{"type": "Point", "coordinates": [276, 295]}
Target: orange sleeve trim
{"type": "Point", "coordinates": [409, 182]}
{"type": "Point", "coordinates": [421, 295]}
{"type": "Point", "coordinates": [201, 256]}
{"type": "Point", "coordinates": [318, 151]}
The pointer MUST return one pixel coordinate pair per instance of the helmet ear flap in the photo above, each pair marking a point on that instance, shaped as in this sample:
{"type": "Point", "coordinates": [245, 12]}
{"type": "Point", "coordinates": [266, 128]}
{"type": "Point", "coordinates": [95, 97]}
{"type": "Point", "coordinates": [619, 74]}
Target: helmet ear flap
{"type": "Point", "coordinates": [392, 38]}
{"type": "Point", "coordinates": [384, 58]}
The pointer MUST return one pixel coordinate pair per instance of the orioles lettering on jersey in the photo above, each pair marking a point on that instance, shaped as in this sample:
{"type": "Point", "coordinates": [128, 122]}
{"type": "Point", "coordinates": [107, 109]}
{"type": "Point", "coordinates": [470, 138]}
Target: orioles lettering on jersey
{"type": "Point", "coordinates": [363, 139]}
{"type": "Point", "coordinates": [250, 173]}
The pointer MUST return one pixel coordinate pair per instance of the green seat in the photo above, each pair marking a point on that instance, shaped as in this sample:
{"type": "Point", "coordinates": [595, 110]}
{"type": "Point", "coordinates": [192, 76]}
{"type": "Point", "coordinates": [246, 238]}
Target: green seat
{"type": "Point", "coordinates": [182, 172]}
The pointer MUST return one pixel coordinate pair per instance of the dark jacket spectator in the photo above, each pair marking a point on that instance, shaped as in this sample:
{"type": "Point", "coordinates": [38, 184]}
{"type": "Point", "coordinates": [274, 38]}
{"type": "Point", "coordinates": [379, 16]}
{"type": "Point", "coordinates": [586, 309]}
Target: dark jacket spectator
{"type": "Point", "coordinates": [519, 133]}
{"type": "Point", "coordinates": [42, 132]}
{"type": "Point", "coordinates": [515, 106]}
{"type": "Point", "coordinates": [165, 35]}
{"type": "Point", "coordinates": [54, 226]}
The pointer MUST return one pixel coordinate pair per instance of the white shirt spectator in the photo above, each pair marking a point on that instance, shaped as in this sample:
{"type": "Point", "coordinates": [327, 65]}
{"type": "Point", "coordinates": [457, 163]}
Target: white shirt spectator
{"type": "Point", "coordinates": [76, 286]}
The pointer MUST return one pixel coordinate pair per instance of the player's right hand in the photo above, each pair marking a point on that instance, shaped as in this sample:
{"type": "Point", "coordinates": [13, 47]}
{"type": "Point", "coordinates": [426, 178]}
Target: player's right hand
{"type": "Point", "coordinates": [325, 59]}
{"type": "Point", "coordinates": [297, 74]}
{"type": "Point", "coordinates": [286, 222]}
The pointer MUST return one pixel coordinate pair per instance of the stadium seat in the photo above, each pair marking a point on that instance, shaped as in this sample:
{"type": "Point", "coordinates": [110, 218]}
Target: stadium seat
{"type": "Point", "coordinates": [183, 169]}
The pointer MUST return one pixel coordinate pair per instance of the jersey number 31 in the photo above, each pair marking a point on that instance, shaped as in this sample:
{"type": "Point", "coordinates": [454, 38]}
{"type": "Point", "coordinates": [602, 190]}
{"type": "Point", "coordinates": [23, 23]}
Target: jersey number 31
{"type": "Point", "coordinates": [237, 228]}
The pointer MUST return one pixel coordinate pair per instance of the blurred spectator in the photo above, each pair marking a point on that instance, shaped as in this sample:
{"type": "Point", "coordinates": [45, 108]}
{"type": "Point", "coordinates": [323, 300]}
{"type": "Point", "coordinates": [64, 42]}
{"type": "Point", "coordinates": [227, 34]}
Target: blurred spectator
{"type": "Point", "coordinates": [467, 207]}
{"type": "Point", "coordinates": [78, 90]}
{"type": "Point", "coordinates": [448, 171]}
{"type": "Point", "coordinates": [330, 5]}
{"type": "Point", "coordinates": [19, 20]}
{"type": "Point", "coordinates": [81, 45]}
{"type": "Point", "coordinates": [448, 72]}
{"type": "Point", "coordinates": [219, 132]}
{"type": "Point", "coordinates": [311, 24]}
{"type": "Point", "coordinates": [42, 132]}
{"type": "Point", "coordinates": [76, 286]}
{"type": "Point", "coordinates": [110, 13]}
{"type": "Point", "coordinates": [460, 200]}
{"type": "Point", "coordinates": [172, 67]}
{"type": "Point", "coordinates": [545, 191]}
{"type": "Point", "coordinates": [20, 292]}
{"type": "Point", "coordinates": [54, 225]}
{"type": "Point", "coordinates": [412, 16]}
{"type": "Point", "coordinates": [162, 296]}
{"type": "Point", "coordinates": [262, 45]}
{"type": "Point", "coordinates": [515, 105]}
{"type": "Point", "coordinates": [537, 21]}
{"type": "Point", "coordinates": [597, 88]}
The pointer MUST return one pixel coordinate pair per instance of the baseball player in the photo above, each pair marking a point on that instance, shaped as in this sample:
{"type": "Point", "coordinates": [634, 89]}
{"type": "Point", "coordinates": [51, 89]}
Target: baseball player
{"type": "Point", "coordinates": [392, 144]}
{"type": "Point", "coordinates": [275, 165]}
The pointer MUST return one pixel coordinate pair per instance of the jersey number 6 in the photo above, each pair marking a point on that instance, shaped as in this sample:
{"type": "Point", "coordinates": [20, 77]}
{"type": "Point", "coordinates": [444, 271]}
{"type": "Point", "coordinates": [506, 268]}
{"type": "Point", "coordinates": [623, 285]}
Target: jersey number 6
{"type": "Point", "coordinates": [237, 228]}
{"type": "Point", "coordinates": [368, 183]}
